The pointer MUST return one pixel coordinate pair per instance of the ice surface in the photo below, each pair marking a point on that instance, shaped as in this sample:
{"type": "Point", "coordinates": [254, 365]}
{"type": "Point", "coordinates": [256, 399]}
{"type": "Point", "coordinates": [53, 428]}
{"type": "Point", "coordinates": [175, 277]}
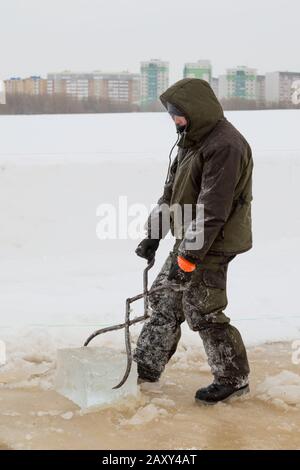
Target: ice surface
{"type": "Point", "coordinates": [87, 375]}
{"type": "Point", "coordinates": [284, 386]}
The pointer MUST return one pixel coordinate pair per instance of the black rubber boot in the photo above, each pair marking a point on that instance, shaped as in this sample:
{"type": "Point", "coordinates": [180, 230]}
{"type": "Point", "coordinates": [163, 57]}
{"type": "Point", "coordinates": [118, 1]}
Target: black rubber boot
{"type": "Point", "coordinates": [216, 392]}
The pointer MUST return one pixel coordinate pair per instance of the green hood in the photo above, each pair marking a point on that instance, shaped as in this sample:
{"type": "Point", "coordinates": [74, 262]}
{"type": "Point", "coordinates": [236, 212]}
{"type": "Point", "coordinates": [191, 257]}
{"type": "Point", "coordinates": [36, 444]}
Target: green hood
{"type": "Point", "coordinates": [196, 99]}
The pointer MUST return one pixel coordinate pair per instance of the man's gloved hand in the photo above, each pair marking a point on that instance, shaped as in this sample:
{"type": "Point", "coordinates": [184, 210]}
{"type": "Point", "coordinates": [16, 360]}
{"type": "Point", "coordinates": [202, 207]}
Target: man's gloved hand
{"type": "Point", "coordinates": [147, 248]}
{"type": "Point", "coordinates": [182, 269]}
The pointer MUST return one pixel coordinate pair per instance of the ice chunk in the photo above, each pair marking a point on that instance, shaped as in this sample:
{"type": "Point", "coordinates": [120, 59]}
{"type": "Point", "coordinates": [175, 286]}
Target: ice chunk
{"type": "Point", "coordinates": [87, 375]}
{"type": "Point", "coordinates": [283, 387]}
{"type": "Point", "coordinates": [145, 415]}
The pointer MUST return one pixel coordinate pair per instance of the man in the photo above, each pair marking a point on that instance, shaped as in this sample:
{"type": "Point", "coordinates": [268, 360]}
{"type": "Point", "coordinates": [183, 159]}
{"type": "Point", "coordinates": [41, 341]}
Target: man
{"type": "Point", "coordinates": [213, 168]}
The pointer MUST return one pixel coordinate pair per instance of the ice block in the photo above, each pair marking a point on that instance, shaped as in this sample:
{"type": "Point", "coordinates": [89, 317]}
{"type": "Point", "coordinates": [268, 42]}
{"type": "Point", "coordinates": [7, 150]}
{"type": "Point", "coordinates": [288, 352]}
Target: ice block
{"type": "Point", "coordinates": [87, 375]}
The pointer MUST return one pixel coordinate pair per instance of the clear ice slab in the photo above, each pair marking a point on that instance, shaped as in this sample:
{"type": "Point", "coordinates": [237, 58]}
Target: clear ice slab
{"type": "Point", "coordinates": [87, 375]}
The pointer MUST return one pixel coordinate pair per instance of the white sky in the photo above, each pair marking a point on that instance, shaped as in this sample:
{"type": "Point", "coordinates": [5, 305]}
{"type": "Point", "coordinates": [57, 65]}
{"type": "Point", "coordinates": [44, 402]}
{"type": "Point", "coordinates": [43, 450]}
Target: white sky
{"type": "Point", "coordinates": [40, 36]}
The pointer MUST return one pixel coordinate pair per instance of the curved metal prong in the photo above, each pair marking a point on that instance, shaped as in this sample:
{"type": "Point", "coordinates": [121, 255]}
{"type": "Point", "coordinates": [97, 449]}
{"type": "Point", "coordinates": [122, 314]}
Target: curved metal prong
{"type": "Point", "coordinates": [127, 322]}
{"type": "Point", "coordinates": [128, 347]}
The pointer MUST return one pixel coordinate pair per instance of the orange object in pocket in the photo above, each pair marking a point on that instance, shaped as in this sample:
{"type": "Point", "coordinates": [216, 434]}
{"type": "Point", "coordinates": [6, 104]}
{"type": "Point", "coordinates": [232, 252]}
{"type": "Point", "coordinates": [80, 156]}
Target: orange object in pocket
{"type": "Point", "coordinates": [185, 265]}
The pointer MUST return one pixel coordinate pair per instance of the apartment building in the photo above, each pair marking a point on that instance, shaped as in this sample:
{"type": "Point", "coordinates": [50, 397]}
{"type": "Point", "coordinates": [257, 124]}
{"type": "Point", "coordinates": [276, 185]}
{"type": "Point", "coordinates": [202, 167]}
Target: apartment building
{"type": "Point", "coordinates": [154, 80]}
{"type": "Point", "coordinates": [260, 90]}
{"type": "Point", "coordinates": [280, 87]}
{"type": "Point", "coordinates": [122, 87]}
{"type": "Point", "coordinates": [239, 82]}
{"type": "Point", "coordinates": [34, 85]}
{"type": "Point", "coordinates": [201, 69]}
{"type": "Point", "coordinates": [2, 92]}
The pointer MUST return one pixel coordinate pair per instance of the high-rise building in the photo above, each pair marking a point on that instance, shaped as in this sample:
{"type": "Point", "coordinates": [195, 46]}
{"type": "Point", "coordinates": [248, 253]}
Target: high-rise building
{"type": "Point", "coordinates": [154, 80]}
{"type": "Point", "coordinates": [34, 85]}
{"type": "Point", "coordinates": [69, 83]}
{"type": "Point", "coordinates": [215, 86]}
{"type": "Point", "coordinates": [201, 69]}
{"type": "Point", "coordinates": [260, 90]}
{"type": "Point", "coordinates": [14, 85]}
{"type": "Point", "coordinates": [239, 82]}
{"type": "Point", "coordinates": [122, 87]}
{"type": "Point", "coordinates": [280, 87]}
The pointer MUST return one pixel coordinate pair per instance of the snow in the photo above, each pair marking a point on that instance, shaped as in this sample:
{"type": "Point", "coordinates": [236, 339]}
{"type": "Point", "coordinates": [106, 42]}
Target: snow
{"type": "Point", "coordinates": [67, 415]}
{"type": "Point", "coordinates": [283, 388]}
{"type": "Point", "coordinates": [60, 282]}
{"type": "Point", "coordinates": [145, 414]}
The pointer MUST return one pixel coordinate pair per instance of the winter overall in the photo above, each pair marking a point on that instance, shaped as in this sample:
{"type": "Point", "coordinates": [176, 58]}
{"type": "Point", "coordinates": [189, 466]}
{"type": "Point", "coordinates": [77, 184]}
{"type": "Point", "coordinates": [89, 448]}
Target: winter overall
{"type": "Point", "coordinates": [201, 304]}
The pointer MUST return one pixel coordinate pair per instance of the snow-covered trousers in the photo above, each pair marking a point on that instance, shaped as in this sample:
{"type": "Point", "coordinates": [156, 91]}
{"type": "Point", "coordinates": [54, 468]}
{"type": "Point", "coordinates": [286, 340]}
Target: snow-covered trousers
{"type": "Point", "coordinates": [201, 304]}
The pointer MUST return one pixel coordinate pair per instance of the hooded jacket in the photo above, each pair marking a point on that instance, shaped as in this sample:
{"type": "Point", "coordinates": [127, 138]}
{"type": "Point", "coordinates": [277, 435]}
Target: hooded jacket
{"type": "Point", "coordinates": [212, 173]}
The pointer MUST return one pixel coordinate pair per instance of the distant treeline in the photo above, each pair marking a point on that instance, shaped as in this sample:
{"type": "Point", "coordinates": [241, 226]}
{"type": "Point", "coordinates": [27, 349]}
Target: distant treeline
{"type": "Point", "coordinates": [62, 104]}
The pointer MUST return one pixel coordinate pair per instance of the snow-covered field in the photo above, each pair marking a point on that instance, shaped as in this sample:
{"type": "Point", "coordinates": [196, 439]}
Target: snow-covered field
{"type": "Point", "coordinates": [56, 170]}
{"type": "Point", "coordinates": [59, 282]}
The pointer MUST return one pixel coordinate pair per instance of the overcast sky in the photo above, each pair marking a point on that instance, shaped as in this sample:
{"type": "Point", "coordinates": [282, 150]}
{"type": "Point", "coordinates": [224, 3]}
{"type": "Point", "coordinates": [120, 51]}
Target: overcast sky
{"type": "Point", "coordinates": [40, 36]}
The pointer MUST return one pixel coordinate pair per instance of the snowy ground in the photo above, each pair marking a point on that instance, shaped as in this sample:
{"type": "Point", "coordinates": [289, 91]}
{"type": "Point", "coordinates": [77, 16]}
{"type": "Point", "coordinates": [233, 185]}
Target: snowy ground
{"type": "Point", "coordinates": [60, 282]}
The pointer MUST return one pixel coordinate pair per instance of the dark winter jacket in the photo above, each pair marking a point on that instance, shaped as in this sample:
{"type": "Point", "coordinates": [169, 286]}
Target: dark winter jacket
{"type": "Point", "coordinates": [213, 167]}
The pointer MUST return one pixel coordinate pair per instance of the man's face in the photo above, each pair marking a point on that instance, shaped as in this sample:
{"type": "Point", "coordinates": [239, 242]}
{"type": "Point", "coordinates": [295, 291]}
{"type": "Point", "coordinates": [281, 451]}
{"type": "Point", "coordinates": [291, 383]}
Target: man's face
{"type": "Point", "coordinates": [179, 120]}
{"type": "Point", "coordinates": [180, 123]}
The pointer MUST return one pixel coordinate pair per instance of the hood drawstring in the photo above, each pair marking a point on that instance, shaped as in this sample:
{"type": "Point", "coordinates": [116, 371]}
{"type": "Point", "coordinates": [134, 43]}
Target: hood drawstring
{"type": "Point", "coordinates": [184, 134]}
{"type": "Point", "coordinates": [170, 154]}
{"type": "Point", "coordinates": [171, 151]}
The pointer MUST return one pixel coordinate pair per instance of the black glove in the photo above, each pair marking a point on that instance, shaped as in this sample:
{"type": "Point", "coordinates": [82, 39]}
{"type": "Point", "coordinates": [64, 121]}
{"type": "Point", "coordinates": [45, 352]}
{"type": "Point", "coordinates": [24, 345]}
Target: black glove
{"type": "Point", "coordinates": [147, 248]}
